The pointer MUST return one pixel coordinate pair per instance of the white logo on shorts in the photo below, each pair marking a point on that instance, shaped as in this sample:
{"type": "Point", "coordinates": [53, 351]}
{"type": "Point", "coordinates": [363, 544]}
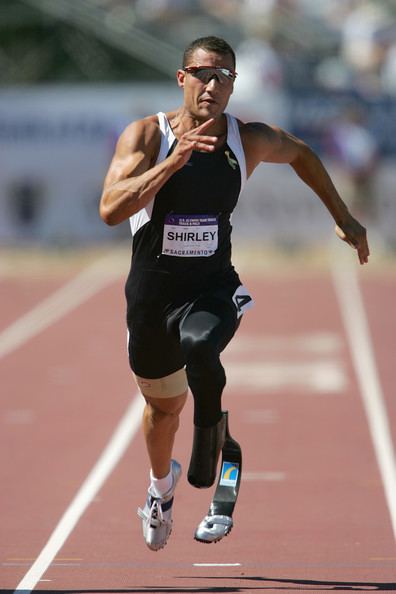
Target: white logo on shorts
{"type": "Point", "coordinates": [242, 300]}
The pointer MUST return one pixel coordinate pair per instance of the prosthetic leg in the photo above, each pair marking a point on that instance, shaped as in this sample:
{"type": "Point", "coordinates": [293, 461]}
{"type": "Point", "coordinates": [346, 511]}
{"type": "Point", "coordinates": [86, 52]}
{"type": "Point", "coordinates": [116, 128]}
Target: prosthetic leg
{"type": "Point", "coordinates": [207, 445]}
{"type": "Point", "coordinates": [218, 522]}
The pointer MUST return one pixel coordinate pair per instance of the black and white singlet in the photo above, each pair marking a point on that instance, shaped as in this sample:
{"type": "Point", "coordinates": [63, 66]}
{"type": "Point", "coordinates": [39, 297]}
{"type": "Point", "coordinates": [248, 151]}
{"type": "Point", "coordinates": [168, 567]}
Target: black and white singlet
{"type": "Point", "coordinates": [182, 238]}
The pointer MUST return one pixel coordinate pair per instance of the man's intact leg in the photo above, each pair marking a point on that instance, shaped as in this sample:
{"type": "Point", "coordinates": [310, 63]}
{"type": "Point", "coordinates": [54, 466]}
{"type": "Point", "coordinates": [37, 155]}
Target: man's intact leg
{"type": "Point", "coordinates": [160, 423]}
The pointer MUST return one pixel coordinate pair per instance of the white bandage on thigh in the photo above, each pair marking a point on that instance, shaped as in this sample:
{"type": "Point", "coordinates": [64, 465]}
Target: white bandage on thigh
{"type": "Point", "coordinates": [169, 386]}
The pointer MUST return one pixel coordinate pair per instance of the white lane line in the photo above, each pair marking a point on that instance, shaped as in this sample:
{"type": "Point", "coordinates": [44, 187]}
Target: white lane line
{"type": "Point", "coordinates": [261, 416]}
{"type": "Point", "coordinates": [217, 564]}
{"type": "Point", "coordinates": [83, 286]}
{"type": "Point", "coordinates": [122, 436]}
{"type": "Point", "coordinates": [357, 328]}
{"type": "Point", "coordinates": [318, 376]}
{"type": "Point", "coordinates": [310, 343]}
{"type": "Point", "coordinates": [269, 475]}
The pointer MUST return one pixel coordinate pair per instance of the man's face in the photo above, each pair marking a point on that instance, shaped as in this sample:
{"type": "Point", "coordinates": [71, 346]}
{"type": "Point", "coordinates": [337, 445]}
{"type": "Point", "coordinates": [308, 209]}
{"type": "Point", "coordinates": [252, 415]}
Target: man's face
{"type": "Point", "coordinates": [206, 99]}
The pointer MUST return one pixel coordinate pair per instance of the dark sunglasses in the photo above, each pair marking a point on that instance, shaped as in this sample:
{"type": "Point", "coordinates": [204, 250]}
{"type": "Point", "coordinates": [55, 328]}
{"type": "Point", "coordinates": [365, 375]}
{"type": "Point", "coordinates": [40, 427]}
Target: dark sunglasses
{"type": "Point", "coordinates": [206, 73]}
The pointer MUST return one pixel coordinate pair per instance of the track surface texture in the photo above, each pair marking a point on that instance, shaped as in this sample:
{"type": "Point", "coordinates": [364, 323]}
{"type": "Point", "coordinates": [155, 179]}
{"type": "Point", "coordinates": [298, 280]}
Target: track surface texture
{"type": "Point", "coordinates": [310, 395]}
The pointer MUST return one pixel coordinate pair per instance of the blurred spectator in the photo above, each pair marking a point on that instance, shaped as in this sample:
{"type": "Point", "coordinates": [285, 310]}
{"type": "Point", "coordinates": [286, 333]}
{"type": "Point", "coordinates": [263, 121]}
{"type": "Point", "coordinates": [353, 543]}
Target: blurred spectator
{"type": "Point", "coordinates": [355, 153]}
{"type": "Point", "coordinates": [363, 47]}
{"type": "Point", "coordinates": [259, 86]}
{"type": "Point", "coordinates": [166, 10]}
{"type": "Point", "coordinates": [333, 73]}
{"type": "Point", "coordinates": [388, 72]}
{"type": "Point", "coordinates": [226, 11]}
{"type": "Point", "coordinates": [26, 202]}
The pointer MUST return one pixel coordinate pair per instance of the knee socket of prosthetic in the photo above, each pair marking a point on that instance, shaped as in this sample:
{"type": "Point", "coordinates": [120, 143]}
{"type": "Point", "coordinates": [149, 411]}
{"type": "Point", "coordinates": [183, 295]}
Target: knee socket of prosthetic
{"type": "Point", "coordinates": [207, 445]}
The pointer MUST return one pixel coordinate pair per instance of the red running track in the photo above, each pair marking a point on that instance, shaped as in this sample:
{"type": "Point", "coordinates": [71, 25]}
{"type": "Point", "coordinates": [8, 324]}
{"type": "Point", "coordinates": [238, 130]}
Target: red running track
{"type": "Point", "coordinates": [312, 513]}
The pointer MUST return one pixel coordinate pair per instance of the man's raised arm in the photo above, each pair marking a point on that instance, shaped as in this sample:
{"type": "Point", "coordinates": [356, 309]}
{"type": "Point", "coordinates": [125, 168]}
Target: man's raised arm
{"type": "Point", "coordinates": [133, 180]}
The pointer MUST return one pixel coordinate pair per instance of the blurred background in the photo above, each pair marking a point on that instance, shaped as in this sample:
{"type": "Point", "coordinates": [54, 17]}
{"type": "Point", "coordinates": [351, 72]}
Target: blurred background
{"type": "Point", "coordinates": [73, 73]}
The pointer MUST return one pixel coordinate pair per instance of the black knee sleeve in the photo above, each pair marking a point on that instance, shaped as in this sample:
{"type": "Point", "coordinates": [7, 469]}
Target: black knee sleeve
{"type": "Point", "coordinates": [206, 379]}
{"type": "Point", "coordinates": [206, 386]}
{"type": "Point", "coordinates": [207, 445]}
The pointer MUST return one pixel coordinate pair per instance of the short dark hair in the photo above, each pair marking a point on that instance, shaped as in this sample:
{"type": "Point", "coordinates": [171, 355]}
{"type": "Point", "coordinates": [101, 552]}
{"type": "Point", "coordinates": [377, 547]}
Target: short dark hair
{"type": "Point", "coordinates": [209, 44]}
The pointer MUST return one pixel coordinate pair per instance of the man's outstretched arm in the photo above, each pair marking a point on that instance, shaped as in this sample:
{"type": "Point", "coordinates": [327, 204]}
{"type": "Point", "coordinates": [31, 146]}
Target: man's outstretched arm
{"type": "Point", "coordinates": [273, 145]}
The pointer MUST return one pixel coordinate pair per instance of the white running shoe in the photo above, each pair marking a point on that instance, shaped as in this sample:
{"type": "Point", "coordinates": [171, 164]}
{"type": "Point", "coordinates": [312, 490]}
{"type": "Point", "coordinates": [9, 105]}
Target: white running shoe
{"type": "Point", "coordinates": [157, 514]}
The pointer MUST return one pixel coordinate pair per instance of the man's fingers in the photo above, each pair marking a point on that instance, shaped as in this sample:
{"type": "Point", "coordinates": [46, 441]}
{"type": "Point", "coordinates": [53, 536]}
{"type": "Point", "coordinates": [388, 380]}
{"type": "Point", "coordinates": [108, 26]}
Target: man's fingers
{"type": "Point", "coordinates": [360, 244]}
{"type": "Point", "coordinates": [363, 252]}
{"type": "Point", "coordinates": [202, 146]}
{"type": "Point", "coordinates": [363, 258]}
{"type": "Point", "coordinates": [195, 140]}
{"type": "Point", "coordinates": [205, 140]}
{"type": "Point", "coordinates": [200, 143]}
{"type": "Point", "coordinates": [204, 126]}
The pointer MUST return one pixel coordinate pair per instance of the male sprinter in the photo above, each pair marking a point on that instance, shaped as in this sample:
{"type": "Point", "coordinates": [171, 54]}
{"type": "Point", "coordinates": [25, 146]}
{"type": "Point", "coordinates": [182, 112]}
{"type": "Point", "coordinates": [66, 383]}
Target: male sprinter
{"type": "Point", "coordinates": [177, 177]}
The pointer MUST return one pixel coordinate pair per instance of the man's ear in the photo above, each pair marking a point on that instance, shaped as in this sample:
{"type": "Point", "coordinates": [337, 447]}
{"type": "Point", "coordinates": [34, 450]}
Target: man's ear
{"type": "Point", "coordinates": [180, 76]}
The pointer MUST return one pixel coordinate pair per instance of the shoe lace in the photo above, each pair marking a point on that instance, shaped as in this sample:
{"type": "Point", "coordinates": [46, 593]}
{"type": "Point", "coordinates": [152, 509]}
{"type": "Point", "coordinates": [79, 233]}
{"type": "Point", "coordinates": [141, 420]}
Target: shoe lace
{"type": "Point", "coordinates": [155, 516]}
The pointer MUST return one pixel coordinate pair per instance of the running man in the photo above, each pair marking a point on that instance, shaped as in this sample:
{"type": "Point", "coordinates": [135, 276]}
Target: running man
{"type": "Point", "coordinates": [177, 177]}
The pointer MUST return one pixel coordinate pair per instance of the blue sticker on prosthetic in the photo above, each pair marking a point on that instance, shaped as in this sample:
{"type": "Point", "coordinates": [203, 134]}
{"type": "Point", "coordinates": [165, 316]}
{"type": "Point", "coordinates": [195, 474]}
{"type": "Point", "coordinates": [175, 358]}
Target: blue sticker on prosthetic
{"type": "Point", "coordinates": [229, 474]}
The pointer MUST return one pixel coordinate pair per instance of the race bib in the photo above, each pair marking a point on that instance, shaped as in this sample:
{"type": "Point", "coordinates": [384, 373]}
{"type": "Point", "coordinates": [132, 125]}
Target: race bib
{"type": "Point", "coordinates": [190, 236]}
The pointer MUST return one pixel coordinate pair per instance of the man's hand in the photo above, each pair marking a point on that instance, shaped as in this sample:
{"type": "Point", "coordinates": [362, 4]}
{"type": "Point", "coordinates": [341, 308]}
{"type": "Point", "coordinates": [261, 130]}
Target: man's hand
{"type": "Point", "coordinates": [194, 140]}
{"type": "Point", "coordinates": [352, 232]}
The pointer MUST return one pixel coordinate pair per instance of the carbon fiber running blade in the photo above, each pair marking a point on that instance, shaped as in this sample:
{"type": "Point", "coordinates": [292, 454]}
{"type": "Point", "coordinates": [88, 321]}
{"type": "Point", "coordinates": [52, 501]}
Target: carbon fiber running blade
{"type": "Point", "coordinates": [227, 489]}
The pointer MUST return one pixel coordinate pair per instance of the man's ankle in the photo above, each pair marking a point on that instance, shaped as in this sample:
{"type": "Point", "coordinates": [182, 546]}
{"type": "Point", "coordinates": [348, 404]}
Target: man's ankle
{"type": "Point", "coordinates": [160, 486]}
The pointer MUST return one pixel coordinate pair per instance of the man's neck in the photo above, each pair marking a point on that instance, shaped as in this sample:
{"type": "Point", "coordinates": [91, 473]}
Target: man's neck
{"type": "Point", "coordinates": [182, 121]}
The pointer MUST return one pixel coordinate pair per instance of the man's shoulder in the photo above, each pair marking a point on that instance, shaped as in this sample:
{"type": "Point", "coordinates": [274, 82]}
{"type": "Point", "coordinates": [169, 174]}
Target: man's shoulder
{"type": "Point", "coordinates": [257, 132]}
{"type": "Point", "coordinates": [150, 123]}
{"type": "Point", "coordinates": [143, 133]}
{"type": "Point", "coordinates": [258, 139]}
{"type": "Point", "coordinates": [147, 127]}
{"type": "Point", "coordinates": [253, 128]}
